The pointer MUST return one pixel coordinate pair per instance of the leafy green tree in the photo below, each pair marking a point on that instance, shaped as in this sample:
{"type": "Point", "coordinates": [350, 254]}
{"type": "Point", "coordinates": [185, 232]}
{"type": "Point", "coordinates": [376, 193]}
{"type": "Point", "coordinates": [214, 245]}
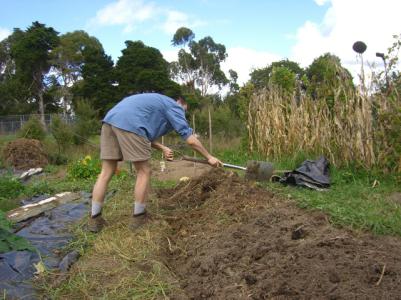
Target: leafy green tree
{"type": "Point", "coordinates": [98, 78]}
{"type": "Point", "coordinates": [68, 59]}
{"type": "Point", "coordinates": [284, 73]}
{"type": "Point", "coordinates": [143, 69]}
{"type": "Point", "coordinates": [31, 55]}
{"type": "Point", "coordinates": [239, 102]}
{"type": "Point", "coordinates": [234, 86]}
{"type": "Point", "coordinates": [201, 66]}
{"type": "Point", "coordinates": [285, 78]}
{"type": "Point", "coordinates": [14, 97]}
{"type": "Point", "coordinates": [327, 77]}
{"type": "Point", "coordinates": [14, 93]}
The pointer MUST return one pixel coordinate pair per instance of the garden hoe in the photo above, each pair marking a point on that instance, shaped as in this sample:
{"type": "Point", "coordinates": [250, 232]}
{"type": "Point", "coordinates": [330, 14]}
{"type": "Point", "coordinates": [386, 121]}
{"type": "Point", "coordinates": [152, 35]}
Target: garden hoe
{"type": "Point", "coordinates": [254, 170]}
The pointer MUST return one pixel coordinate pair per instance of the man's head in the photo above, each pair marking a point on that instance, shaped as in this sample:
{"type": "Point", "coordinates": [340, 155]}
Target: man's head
{"type": "Point", "coordinates": [181, 101]}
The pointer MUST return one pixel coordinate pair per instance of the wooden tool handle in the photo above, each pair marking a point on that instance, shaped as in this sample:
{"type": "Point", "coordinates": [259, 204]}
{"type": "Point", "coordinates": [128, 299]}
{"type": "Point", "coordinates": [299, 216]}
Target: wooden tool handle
{"type": "Point", "coordinates": [197, 160]}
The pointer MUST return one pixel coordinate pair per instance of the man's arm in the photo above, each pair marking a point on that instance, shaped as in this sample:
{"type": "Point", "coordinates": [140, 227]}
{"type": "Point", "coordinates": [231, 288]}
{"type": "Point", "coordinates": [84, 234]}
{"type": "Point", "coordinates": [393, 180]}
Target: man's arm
{"type": "Point", "coordinates": [167, 152]}
{"type": "Point", "coordinates": [195, 144]}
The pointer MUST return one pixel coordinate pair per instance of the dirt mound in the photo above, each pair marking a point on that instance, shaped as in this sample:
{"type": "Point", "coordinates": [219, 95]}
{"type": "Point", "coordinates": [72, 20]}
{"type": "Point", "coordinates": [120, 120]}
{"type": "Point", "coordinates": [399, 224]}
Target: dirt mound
{"type": "Point", "coordinates": [25, 154]}
{"type": "Point", "coordinates": [232, 240]}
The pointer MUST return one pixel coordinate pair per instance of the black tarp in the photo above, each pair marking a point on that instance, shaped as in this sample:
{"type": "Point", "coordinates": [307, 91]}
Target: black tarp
{"type": "Point", "coordinates": [48, 232]}
{"type": "Point", "coordinates": [313, 174]}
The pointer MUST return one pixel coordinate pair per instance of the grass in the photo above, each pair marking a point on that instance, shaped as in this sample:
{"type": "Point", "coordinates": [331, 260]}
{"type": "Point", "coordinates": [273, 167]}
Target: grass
{"type": "Point", "coordinates": [116, 263]}
{"type": "Point", "coordinates": [356, 200]}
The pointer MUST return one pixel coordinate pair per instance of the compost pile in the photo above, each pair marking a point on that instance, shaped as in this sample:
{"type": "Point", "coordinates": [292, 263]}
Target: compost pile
{"type": "Point", "coordinates": [24, 154]}
{"type": "Point", "coordinates": [231, 239]}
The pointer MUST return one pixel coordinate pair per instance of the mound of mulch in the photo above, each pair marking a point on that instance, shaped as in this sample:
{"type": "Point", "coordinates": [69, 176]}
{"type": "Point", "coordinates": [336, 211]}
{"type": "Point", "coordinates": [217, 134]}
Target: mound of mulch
{"type": "Point", "coordinates": [233, 240]}
{"type": "Point", "coordinates": [25, 154]}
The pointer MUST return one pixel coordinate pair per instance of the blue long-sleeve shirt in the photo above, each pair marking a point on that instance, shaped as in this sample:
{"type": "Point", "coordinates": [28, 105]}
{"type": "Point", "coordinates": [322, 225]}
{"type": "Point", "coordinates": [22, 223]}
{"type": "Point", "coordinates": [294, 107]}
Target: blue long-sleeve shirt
{"type": "Point", "coordinates": [150, 115]}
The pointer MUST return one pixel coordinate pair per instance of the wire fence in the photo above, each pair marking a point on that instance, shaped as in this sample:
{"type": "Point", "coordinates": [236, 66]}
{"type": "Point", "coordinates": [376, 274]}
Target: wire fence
{"type": "Point", "coordinates": [12, 123]}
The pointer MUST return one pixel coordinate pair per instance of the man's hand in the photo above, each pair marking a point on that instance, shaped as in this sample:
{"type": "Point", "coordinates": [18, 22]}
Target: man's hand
{"type": "Point", "coordinates": [214, 162]}
{"type": "Point", "coordinates": [168, 153]}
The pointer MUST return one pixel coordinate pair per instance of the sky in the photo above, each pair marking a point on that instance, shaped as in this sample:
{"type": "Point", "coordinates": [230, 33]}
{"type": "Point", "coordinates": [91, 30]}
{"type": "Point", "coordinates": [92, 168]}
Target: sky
{"type": "Point", "coordinates": [254, 32]}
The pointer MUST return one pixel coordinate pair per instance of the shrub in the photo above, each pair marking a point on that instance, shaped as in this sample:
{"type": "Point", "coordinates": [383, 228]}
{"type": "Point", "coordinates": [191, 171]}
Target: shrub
{"type": "Point", "coordinates": [388, 138]}
{"type": "Point", "coordinates": [86, 168]}
{"type": "Point", "coordinates": [86, 123]}
{"type": "Point", "coordinates": [61, 132]}
{"type": "Point", "coordinates": [32, 129]}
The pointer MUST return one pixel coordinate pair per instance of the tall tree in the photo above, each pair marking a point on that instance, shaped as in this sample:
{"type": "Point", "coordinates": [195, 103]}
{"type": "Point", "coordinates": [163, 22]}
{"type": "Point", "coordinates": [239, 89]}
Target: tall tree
{"type": "Point", "coordinates": [14, 94]}
{"type": "Point", "coordinates": [31, 54]}
{"type": "Point", "coordinates": [98, 79]}
{"type": "Point", "coordinates": [143, 69]}
{"type": "Point", "coordinates": [201, 66]}
{"type": "Point", "coordinates": [68, 60]}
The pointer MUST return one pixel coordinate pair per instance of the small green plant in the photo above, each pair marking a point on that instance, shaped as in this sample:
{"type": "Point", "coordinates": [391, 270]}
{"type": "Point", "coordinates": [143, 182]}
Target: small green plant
{"type": "Point", "coordinates": [39, 188]}
{"type": "Point", "coordinates": [32, 129]}
{"type": "Point", "coordinates": [10, 187]}
{"type": "Point", "coordinates": [86, 168]}
{"type": "Point", "coordinates": [10, 241]}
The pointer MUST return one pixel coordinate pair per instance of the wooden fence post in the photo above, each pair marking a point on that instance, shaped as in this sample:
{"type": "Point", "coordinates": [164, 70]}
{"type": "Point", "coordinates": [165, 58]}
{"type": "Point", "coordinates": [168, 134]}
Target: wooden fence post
{"type": "Point", "coordinates": [210, 131]}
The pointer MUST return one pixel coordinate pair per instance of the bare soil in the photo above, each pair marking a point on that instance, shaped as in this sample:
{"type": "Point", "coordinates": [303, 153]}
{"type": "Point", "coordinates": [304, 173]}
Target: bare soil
{"type": "Point", "coordinates": [24, 154]}
{"type": "Point", "coordinates": [231, 239]}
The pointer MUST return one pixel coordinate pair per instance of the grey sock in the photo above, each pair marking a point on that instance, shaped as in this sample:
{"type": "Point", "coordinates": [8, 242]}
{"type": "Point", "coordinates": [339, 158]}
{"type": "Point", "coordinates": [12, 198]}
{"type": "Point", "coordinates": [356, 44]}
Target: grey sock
{"type": "Point", "coordinates": [96, 208]}
{"type": "Point", "coordinates": [139, 208]}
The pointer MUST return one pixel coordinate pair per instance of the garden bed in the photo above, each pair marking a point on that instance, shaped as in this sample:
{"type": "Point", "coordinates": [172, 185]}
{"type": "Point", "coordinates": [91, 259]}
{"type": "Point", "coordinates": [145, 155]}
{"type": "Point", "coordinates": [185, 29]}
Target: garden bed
{"type": "Point", "coordinates": [232, 240]}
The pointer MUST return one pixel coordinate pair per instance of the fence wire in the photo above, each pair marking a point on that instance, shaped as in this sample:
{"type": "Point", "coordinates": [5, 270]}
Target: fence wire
{"type": "Point", "coordinates": [12, 123]}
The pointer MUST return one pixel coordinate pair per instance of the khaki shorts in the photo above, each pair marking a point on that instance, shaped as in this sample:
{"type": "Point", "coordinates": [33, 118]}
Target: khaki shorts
{"type": "Point", "coordinates": [118, 144]}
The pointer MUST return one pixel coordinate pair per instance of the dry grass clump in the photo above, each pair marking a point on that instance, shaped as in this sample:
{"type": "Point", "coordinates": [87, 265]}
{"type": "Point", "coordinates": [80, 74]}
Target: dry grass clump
{"type": "Point", "coordinates": [347, 133]}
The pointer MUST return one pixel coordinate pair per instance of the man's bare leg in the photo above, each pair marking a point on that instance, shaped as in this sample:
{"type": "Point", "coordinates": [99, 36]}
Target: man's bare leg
{"type": "Point", "coordinates": [100, 188]}
{"type": "Point", "coordinates": [142, 188]}
{"type": "Point", "coordinates": [142, 185]}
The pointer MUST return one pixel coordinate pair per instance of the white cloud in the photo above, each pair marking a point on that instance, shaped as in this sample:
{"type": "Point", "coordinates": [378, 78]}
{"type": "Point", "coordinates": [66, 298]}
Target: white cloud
{"type": "Point", "coordinates": [175, 20]}
{"type": "Point", "coordinates": [128, 13]}
{"type": "Point", "coordinates": [133, 13]}
{"type": "Point", "coordinates": [241, 60]}
{"type": "Point", "coordinates": [245, 60]}
{"type": "Point", "coordinates": [4, 32]}
{"type": "Point", "coordinates": [170, 55]}
{"type": "Point", "coordinates": [345, 22]}
{"type": "Point", "coordinates": [321, 2]}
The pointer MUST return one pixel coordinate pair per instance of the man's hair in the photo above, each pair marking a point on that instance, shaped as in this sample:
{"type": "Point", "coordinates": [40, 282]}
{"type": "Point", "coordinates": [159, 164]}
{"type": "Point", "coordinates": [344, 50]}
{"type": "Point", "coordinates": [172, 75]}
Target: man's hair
{"type": "Point", "coordinates": [183, 101]}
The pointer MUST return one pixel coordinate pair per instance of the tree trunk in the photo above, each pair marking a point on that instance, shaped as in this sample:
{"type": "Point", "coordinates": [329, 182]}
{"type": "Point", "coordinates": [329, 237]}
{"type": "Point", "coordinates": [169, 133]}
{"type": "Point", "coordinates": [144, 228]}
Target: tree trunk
{"type": "Point", "coordinates": [42, 109]}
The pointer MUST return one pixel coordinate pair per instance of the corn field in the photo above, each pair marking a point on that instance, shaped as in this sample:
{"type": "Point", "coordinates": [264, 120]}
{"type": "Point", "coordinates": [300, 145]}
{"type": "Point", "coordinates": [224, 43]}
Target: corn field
{"type": "Point", "coordinates": [358, 130]}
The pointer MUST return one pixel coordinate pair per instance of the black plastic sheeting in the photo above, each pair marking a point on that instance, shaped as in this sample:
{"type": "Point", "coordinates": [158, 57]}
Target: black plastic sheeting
{"type": "Point", "coordinates": [313, 174]}
{"type": "Point", "coordinates": [46, 233]}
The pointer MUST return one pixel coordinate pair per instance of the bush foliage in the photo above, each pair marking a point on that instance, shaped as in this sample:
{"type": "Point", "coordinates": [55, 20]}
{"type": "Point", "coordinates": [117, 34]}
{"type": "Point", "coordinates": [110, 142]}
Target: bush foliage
{"type": "Point", "coordinates": [33, 129]}
{"type": "Point", "coordinates": [86, 168]}
{"type": "Point", "coordinates": [61, 132]}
